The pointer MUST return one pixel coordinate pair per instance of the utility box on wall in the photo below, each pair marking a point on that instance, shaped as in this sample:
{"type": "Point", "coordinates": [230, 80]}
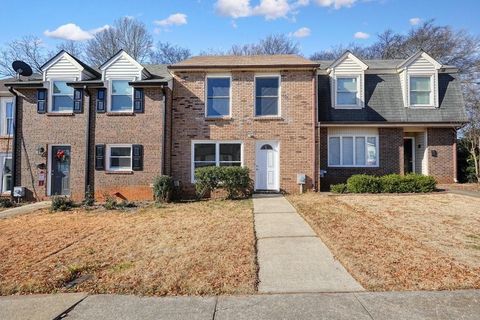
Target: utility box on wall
{"type": "Point", "coordinates": [301, 178]}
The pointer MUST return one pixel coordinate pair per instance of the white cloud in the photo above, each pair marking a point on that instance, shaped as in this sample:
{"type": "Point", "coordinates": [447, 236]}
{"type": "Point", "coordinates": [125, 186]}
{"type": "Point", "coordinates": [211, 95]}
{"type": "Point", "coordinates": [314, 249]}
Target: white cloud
{"type": "Point", "coordinates": [176, 19]}
{"type": "Point", "coordinates": [415, 21]}
{"type": "Point", "coordinates": [337, 4]}
{"type": "Point", "coordinates": [270, 9]}
{"type": "Point", "coordinates": [71, 31]}
{"type": "Point", "coordinates": [361, 35]}
{"type": "Point", "coordinates": [302, 32]}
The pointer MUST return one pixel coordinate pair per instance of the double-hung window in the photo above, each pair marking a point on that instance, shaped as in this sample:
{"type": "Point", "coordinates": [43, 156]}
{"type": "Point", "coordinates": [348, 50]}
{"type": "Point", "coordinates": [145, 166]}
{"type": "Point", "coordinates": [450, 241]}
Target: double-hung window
{"type": "Point", "coordinates": [216, 153]}
{"type": "Point", "coordinates": [6, 114]}
{"type": "Point", "coordinates": [6, 162]}
{"type": "Point", "coordinates": [267, 96]}
{"type": "Point", "coordinates": [121, 96]}
{"type": "Point", "coordinates": [353, 151]}
{"type": "Point", "coordinates": [421, 91]}
{"type": "Point", "coordinates": [218, 96]}
{"type": "Point", "coordinates": [347, 92]}
{"type": "Point", "coordinates": [119, 157]}
{"type": "Point", "coordinates": [62, 97]}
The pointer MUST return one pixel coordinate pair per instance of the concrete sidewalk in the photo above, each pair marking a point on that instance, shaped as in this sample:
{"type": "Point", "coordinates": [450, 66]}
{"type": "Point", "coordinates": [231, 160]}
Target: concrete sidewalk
{"type": "Point", "coordinates": [291, 257]}
{"type": "Point", "coordinates": [25, 209]}
{"type": "Point", "coordinates": [361, 305]}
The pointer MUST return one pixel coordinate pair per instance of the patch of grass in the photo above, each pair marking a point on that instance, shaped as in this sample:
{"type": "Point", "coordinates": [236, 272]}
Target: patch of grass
{"type": "Point", "coordinates": [393, 242]}
{"type": "Point", "coordinates": [188, 248]}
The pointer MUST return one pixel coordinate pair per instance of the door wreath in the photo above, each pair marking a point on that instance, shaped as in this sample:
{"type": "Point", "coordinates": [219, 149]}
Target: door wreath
{"type": "Point", "coordinates": [61, 156]}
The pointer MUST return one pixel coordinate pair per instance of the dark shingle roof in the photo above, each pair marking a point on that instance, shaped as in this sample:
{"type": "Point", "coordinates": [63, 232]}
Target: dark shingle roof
{"type": "Point", "coordinates": [384, 102]}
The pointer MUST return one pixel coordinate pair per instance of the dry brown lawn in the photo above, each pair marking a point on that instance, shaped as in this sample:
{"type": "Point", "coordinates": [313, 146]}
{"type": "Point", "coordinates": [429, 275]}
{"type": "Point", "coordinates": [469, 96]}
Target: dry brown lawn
{"type": "Point", "coordinates": [193, 248]}
{"type": "Point", "coordinates": [400, 242]}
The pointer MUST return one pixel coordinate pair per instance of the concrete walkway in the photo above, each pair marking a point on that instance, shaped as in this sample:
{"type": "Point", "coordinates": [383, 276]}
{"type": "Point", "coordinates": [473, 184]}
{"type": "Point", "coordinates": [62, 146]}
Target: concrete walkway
{"type": "Point", "coordinates": [28, 208]}
{"type": "Point", "coordinates": [361, 305]}
{"type": "Point", "coordinates": [291, 258]}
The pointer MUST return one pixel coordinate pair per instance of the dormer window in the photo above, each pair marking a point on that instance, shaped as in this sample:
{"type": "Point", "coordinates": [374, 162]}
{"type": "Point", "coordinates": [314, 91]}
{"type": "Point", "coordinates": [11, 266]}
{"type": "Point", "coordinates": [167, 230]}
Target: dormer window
{"type": "Point", "coordinates": [62, 97]}
{"type": "Point", "coordinates": [121, 96]}
{"type": "Point", "coordinates": [347, 91]}
{"type": "Point", "coordinates": [421, 91]}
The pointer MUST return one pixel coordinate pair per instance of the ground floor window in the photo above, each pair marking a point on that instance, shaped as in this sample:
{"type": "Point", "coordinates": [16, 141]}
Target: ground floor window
{"type": "Point", "coordinates": [119, 157]}
{"type": "Point", "coordinates": [6, 161]}
{"type": "Point", "coordinates": [353, 151]}
{"type": "Point", "coordinates": [216, 153]}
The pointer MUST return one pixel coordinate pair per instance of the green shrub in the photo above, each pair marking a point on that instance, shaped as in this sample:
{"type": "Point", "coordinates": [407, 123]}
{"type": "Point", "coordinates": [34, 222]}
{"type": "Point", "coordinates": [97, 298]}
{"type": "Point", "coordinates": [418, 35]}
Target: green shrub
{"type": "Point", "coordinates": [392, 183]}
{"type": "Point", "coordinates": [163, 188]}
{"type": "Point", "coordinates": [362, 183]}
{"type": "Point", "coordinates": [61, 203]}
{"type": "Point", "coordinates": [236, 181]}
{"type": "Point", "coordinates": [6, 203]}
{"type": "Point", "coordinates": [110, 202]}
{"type": "Point", "coordinates": [339, 188]}
{"type": "Point", "coordinates": [207, 179]}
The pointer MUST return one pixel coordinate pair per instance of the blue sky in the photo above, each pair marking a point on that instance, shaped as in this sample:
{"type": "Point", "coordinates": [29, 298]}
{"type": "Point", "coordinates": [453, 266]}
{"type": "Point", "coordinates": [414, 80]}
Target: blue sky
{"type": "Point", "coordinates": [217, 24]}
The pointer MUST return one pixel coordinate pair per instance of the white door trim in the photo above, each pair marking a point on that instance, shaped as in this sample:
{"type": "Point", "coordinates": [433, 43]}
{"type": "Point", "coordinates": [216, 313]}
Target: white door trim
{"type": "Point", "coordinates": [276, 147]}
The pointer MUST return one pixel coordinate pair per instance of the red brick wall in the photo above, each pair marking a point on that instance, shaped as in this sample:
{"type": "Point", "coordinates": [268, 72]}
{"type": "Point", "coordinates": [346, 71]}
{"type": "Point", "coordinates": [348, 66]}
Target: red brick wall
{"type": "Point", "coordinates": [294, 130]}
{"type": "Point", "coordinates": [441, 152]}
{"type": "Point", "coordinates": [390, 157]}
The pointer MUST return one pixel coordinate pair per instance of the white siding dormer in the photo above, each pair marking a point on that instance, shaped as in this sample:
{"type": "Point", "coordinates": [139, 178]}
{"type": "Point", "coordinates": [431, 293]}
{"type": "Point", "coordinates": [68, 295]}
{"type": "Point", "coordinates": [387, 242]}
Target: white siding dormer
{"type": "Point", "coordinates": [419, 77]}
{"type": "Point", "coordinates": [64, 66]}
{"type": "Point", "coordinates": [347, 79]}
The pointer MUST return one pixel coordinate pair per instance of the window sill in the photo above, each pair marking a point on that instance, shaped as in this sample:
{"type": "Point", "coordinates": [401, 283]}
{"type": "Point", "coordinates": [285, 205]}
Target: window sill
{"type": "Point", "coordinates": [119, 172]}
{"type": "Point", "coordinates": [60, 114]}
{"type": "Point", "coordinates": [353, 167]}
{"type": "Point", "coordinates": [268, 118]}
{"type": "Point", "coordinates": [218, 118]}
{"type": "Point", "coordinates": [348, 107]}
{"type": "Point", "coordinates": [421, 107]}
{"type": "Point", "coordinates": [113, 113]}
{"type": "Point", "coordinates": [5, 137]}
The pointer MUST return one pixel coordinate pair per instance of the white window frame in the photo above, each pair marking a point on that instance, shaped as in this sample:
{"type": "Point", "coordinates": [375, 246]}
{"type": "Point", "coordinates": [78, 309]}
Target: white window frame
{"type": "Point", "coordinates": [3, 114]}
{"type": "Point", "coordinates": [432, 87]}
{"type": "Point", "coordinates": [110, 95]}
{"type": "Point", "coordinates": [358, 105]}
{"type": "Point", "coordinates": [341, 136]}
{"type": "Point", "coordinates": [279, 109]}
{"type": "Point", "coordinates": [5, 157]}
{"type": "Point", "coordinates": [51, 95]}
{"type": "Point", "coordinates": [212, 76]}
{"type": "Point", "coordinates": [108, 156]}
{"type": "Point", "coordinates": [217, 153]}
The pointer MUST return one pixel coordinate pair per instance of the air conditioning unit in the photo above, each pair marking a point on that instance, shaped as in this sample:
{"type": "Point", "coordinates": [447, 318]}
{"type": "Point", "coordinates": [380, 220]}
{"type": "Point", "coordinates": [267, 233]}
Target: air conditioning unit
{"type": "Point", "coordinates": [18, 192]}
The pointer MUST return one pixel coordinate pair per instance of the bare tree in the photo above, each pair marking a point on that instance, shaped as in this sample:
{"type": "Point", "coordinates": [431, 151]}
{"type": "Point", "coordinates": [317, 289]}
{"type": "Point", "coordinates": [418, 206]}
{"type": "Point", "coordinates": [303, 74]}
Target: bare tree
{"type": "Point", "coordinates": [336, 51]}
{"type": "Point", "coordinates": [272, 44]}
{"type": "Point", "coordinates": [75, 48]}
{"type": "Point", "coordinates": [126, 33]}
{"type": "Point", "coordinates": [166, 53]}
{"type": "Point", "coordinates": [28, 48]}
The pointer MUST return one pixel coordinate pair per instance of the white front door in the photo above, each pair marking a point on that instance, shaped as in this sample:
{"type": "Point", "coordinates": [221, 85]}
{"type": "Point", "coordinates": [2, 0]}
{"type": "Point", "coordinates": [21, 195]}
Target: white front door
{"type": "Point", "coordinates": [267, 166]}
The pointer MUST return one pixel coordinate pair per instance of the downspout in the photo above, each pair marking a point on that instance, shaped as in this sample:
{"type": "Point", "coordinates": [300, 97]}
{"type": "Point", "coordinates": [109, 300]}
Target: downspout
{"type": "Point", "coordinates": [316, 177]}
{"type": "Point", "coordinates": [87, 142]}
{"type": "Point", "coordinates": [14, 141]}
{"type": "Point", "coordinates": [164, 122]}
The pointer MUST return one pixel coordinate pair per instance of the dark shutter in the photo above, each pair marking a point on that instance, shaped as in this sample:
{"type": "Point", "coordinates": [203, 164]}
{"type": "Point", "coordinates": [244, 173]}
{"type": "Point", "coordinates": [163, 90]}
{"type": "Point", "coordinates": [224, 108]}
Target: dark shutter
{"type": "Point", "coordinates": [100, 157]}
{"type": "Point", "coordinates": [42, 100]}
{"type": "Point", "coordinates": [78, 100]}
{"type": "Point", "coordinates": [138, 100]}
{"type": "Point", "coordinates": [101, 100]}
{"type": "Point", "coordinates": [137, 158]}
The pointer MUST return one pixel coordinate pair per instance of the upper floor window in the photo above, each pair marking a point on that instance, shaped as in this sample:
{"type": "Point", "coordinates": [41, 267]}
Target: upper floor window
{"type": "Point", "coordinates": [267, 95]}
{"type": "Point", "coordinates": [421, 91]}
{"type": "Point", "coordinates": [121, 96]}
{"type": "Point", "coordinates": [6, 113]}
{"type": "Point", "coordinates": [218, 96]}
{"type": "Point", "coordinates": [347, 92]}
{"type": "Point", "coordinates": [62, 97]}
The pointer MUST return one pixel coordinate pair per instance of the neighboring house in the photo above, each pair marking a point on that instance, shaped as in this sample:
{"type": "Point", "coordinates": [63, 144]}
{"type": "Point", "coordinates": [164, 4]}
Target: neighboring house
{"type": "Point", "coordinates": [7, 112]}
{"type": "Point", "coordinates": [115, 128]}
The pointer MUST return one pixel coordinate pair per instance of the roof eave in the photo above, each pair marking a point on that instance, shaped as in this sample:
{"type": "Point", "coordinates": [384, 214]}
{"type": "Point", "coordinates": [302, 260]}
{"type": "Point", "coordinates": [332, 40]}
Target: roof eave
{"type": "Point", "coordinates": [258, 66]}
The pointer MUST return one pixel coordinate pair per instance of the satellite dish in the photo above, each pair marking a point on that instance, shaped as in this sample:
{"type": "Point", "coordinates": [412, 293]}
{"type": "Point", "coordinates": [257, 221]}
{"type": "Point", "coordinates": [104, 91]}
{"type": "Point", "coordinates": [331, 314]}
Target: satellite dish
{"type": "Point", "coordinates": [21, 68]}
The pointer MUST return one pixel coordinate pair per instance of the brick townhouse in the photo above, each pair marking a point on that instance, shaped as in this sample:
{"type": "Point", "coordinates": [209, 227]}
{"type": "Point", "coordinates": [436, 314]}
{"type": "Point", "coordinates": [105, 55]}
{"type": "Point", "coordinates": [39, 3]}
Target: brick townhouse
{"type": "Point", "coordinates": [288, 119]}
